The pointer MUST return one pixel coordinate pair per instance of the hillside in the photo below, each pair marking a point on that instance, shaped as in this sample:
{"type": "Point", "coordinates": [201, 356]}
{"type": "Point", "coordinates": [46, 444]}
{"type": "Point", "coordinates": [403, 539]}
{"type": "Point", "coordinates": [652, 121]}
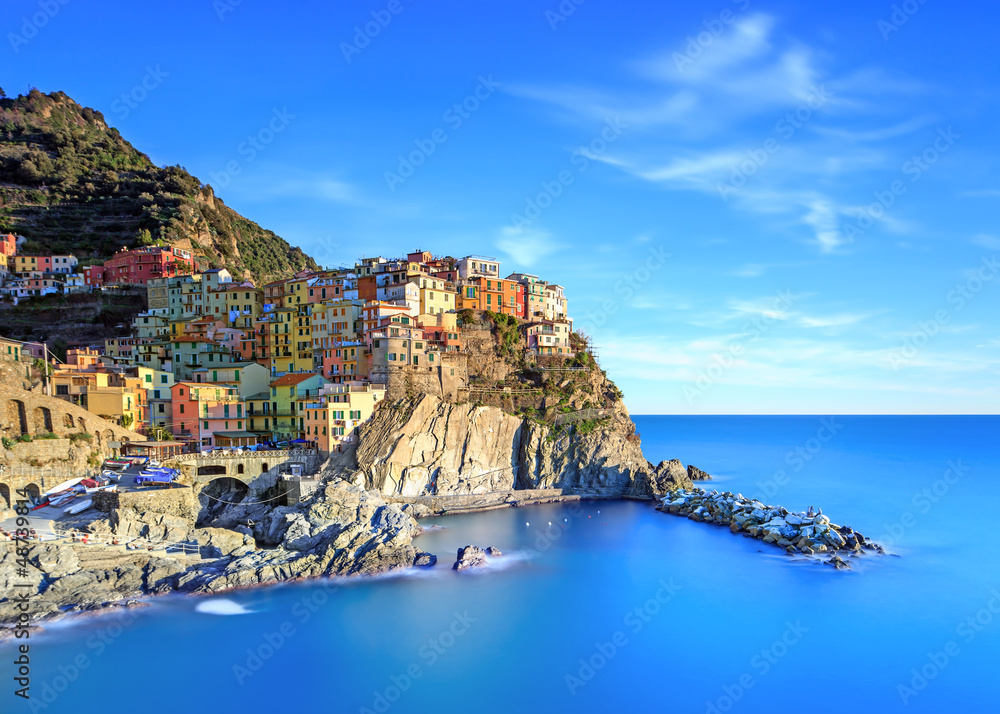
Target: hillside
{"type": "Point", "coordinates": [70, 183]}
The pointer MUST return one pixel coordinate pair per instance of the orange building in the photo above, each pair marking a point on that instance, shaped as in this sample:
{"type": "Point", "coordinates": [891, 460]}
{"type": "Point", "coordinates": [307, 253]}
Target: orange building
{"type": "Point", "coordinates": [495, 295]}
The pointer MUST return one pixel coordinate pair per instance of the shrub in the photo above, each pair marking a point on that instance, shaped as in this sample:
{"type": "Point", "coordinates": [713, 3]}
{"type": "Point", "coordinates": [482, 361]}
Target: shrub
{"type": "Point", "coordinates": [9, 443]}
{"type": "Point", "coordinates": [81, 436]}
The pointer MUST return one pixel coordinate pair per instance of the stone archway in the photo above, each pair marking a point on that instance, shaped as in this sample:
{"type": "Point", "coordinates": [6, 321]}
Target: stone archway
{"type": "Point", "coordinates": [5, 501]}
{"type": "Point", "coordinates": [34, 493]}
{"type": "Point", "coordinates": [17, 417]}
{"type": "Point", "coordinates": [42, 420]}
{"type": "Point", "coordinates": [82, 424]}
{"type": "Point", "coordinates": [263, 468]}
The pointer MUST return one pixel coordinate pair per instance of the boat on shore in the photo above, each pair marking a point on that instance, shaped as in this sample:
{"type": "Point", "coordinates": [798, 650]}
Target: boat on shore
{"type": "Point", "coordinates": [79, 507]}
{"type": "Point", "coordinates": [64, 486]}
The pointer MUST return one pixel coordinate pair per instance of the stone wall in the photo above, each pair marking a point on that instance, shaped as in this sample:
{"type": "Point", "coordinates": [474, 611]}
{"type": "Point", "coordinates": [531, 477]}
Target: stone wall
{"type": "Point", "coordinates": [168, 501]}
{"type": "Point", "coordinates": [30, 412]}
{"type": "Point", "coordinates": [446, 380]}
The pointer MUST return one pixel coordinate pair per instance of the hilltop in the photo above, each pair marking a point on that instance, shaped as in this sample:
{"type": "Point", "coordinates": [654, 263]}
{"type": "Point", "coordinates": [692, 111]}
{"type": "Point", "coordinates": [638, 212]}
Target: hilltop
{"type": "Point", "coordinates": [70, 183]}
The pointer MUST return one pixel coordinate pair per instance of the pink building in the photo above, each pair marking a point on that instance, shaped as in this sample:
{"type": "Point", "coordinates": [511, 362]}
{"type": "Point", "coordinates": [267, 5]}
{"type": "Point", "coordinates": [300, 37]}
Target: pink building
{"type": "Point", "coordinates": [200, 411]}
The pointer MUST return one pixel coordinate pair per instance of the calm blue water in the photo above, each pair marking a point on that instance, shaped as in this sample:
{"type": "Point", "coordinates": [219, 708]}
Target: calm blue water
{"type": "Point", "coordinates": [618, 608]}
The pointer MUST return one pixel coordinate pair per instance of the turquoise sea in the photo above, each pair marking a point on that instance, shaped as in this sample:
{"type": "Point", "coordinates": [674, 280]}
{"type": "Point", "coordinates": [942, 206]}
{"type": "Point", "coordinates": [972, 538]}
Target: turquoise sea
{"type": "Point", "coordinates": [614, 606]}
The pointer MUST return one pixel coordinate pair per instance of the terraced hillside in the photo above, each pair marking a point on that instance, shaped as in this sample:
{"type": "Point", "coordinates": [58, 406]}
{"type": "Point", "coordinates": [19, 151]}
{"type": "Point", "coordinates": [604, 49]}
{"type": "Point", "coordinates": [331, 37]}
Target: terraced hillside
{"type": "Point", "coordinates": [70, 183]}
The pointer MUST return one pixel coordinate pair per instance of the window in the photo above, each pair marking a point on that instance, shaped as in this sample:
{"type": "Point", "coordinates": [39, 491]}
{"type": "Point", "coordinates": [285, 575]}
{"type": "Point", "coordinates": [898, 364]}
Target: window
{"type": "Point", "coordinates": [149, 379]}
{"type": "Point", "coordinates": [182, 408]}
{"type": "Point", "coordinates": [206, 424]}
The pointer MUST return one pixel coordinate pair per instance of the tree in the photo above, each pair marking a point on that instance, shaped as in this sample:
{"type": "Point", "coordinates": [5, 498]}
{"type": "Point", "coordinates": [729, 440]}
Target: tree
{"type": "Point", "coordinates": [3, 94]}
{"type": "Point", "coordinates": [127, 420]}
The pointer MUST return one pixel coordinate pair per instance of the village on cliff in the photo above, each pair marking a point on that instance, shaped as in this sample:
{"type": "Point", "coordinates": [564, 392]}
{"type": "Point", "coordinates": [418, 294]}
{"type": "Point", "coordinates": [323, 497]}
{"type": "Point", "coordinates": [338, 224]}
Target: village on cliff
{"type": "Point", "coordinates": [214, 362]}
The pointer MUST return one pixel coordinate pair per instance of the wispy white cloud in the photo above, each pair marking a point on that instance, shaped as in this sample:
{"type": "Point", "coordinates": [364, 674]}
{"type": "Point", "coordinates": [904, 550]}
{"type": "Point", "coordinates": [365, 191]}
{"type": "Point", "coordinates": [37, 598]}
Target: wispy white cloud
{"type": "Point", "coordinates": [527, 247]}
{"type": "Point", "coordinates": [984, 240]}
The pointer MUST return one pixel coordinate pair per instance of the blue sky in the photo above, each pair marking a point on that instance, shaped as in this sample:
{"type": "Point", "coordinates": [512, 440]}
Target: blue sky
{"type": "Point", "coordinates": [755, 207]}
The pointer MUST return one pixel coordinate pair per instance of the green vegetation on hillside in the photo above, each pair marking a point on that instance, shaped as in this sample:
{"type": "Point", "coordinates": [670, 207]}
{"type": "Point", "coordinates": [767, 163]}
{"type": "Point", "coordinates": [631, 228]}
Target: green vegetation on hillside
{"type": "Point", "coordinates": [70, 183]}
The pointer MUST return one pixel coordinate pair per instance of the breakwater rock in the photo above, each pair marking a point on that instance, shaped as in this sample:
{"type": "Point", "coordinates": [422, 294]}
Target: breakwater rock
{"type": "Point", "coordinates": [805, 533]}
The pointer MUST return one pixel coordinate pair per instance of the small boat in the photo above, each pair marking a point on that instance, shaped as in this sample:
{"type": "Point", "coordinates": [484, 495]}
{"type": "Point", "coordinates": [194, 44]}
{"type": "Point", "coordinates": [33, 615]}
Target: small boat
{"type": "Point", "coordinates": [64, 486]}
{"type": "Point", "coordinates": [79, 507]}
{"type": "Point", "coordinates": [111, 475]}
{"type": "Point", "coordinates": [109, 487]}
{"type": "Point", "coordinates": [62, 498]}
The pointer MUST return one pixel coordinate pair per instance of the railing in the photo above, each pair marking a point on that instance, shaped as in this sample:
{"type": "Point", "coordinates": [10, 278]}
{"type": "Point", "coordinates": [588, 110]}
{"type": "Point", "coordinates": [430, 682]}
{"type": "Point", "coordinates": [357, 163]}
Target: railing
{"type": "Point", "coordinates": [272, 453]}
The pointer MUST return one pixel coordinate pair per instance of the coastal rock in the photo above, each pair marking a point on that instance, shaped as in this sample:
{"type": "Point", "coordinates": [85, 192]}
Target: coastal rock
{"type": "Point", "coordinates": [469, 557]}
{"type": "Point", "coordinates": [696, 474]}
{"type": "Point", "coordinates": [343, 530]}
{"type": "Point", "coordinates": [425, 560]}
{"type": "Point", "coordinates": [493, 552]}
{"type": "Point", "coordinates": [669, 476]}
{"type": "Point", "coordinates": [838, 563]}
{"type": "Point", "coordinates": [219, 542]}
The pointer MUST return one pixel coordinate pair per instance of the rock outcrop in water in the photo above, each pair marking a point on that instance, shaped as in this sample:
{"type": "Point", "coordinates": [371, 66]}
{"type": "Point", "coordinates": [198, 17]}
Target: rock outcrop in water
{"type": "Point", "coordinates": [807, 533]}
{"type": "Point", "coordinates": [472, 556]}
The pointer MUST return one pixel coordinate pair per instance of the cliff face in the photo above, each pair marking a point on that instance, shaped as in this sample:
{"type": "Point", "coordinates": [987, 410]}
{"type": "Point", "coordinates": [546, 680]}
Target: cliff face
{"type": "Point", "coordinates": [424, 446]}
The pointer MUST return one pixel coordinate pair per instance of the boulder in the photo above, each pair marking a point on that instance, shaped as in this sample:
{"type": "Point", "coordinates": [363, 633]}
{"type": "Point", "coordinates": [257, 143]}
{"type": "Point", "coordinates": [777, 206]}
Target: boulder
{"type": "Point", "coordinates": [838, 563]}
{"type": "Point", "coordinates": [696, 474]}
{"type": "Point", "coordinates": [669, 476]}
{"type": "Point", "coordinates": [493, 552]}
{"type": "Point", "coordinates": [425, 560]}
{"type": "Point", "coordinates": [221, 542]}
{"type": "Point", "coordinates": [469, 557]}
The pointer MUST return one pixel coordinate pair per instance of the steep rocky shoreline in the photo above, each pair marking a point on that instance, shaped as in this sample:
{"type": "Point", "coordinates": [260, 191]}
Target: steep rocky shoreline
{"type": "Point", "coordinates": [426, 446]}
{"type": "Point", "coordinates": [342, 531]}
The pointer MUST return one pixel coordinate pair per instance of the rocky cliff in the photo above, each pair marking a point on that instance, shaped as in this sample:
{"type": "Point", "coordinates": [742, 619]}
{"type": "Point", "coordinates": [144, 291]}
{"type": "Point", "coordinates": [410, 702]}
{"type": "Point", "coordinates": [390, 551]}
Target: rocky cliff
{"type": "Point", "coordinates": [425, 446]}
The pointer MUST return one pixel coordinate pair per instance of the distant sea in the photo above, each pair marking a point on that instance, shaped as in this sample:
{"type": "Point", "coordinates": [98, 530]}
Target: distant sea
{"type": "Point", "coordinates": [613, 607]}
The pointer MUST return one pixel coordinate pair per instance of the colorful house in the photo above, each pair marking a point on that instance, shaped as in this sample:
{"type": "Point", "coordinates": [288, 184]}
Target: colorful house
{"type": "Point", "coordinates": [202, 410]}
{"type": "Point", "coordinates": [333, 418]}
{"type": "Point", "coordinates": [249, 378]}
{"type": "Point", "coordinates": [549, 337]}
{"type": "Point", "coordinates": [27, 264]}
{"type": "Point", "coordinates": [157, 383]}
{"type": "Point", "coordinates": [138, 266]}
{"type": "Point", "coordinates": [287, 391]}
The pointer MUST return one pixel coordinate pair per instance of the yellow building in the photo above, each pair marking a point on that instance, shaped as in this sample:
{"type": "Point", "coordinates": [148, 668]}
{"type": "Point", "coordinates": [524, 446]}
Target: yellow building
{"type": "Point", "coordinates": [236, 304]}
{"type": "Point", "coordinates": [110, 395]}
{"type": "Point", "coordinates": [291, 340]}
{"type": "Point", "coordinates": [333, 418]}
{"type": "Point", "coordinates": [436, 295]}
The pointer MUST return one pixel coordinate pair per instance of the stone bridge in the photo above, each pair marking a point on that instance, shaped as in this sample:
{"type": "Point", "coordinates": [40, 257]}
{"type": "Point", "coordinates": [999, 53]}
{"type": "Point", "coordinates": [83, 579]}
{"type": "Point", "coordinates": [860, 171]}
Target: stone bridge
{"type": "Point", "coordinates": [259, 469]}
